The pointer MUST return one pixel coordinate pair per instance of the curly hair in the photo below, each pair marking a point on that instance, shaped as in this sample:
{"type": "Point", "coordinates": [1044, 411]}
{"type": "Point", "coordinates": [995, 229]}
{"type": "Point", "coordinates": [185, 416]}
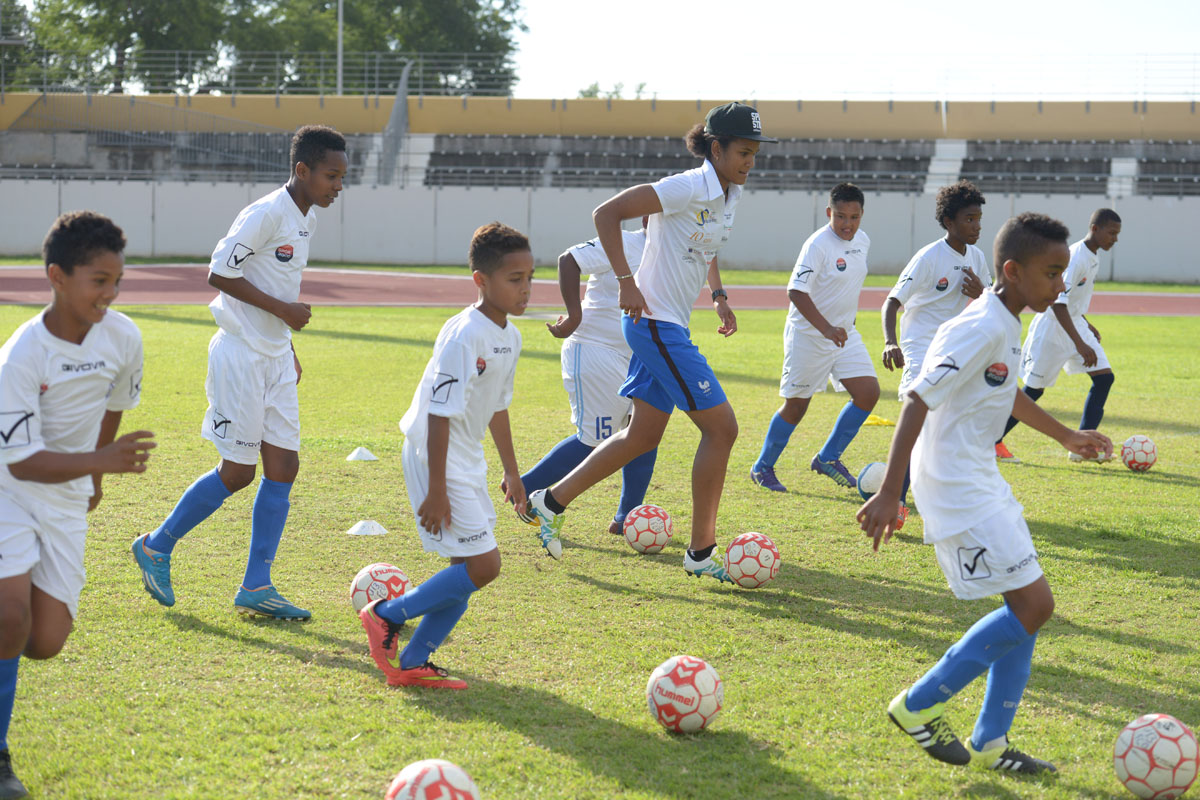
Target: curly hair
{"type": "Point", "coordinates": [491, 243]}
{"type": "Point", "coordinates": [954, 198]}
{"type": "Point", "coordinates": [846, 193]}
{"type": "Point", "coordinates": [1025, 235]}
{"type": "Point", "coordinates": [700, 143]}
{"type": "Point", "coordinates": [311, 142]}
{"type": "Point", "coordinates": [77, 237]}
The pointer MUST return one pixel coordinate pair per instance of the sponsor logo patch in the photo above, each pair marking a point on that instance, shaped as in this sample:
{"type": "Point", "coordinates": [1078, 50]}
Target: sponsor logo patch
{"type": "Point", "coordinates": [840, 264]}
{"type": "Point", "coordinates": [996, 374]}
{"type": "Point", "coordinates": [284, 252]}
{"type": "Point", "coordinates": [480, 365]}
{"type": "Point", "coordinates": [942, 284]}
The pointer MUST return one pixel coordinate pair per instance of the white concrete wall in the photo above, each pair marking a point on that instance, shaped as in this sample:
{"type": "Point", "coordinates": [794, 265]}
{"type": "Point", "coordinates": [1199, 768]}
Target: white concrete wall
{"type": "Point", "coordinates": [419, 225]}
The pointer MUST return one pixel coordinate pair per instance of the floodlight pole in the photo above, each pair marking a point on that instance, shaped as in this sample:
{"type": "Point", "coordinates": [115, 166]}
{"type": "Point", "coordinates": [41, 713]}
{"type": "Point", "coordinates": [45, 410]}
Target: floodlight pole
{"type": "Point", "coordinates": [339, 49]}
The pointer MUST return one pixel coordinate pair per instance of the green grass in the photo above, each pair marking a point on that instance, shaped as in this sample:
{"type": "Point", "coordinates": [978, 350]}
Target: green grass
{"type": "Point", "coordinates": [194, 702]}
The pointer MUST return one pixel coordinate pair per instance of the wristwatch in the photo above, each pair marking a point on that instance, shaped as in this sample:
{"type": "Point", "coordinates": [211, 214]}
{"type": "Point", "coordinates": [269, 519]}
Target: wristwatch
{"type": "Point", "coordinates": [719, 293]}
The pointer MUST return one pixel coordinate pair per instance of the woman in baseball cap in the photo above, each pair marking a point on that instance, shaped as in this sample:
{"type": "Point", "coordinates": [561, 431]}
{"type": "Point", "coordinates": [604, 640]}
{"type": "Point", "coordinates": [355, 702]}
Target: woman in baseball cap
{"type": "Point", "coordinates": [691, 217]}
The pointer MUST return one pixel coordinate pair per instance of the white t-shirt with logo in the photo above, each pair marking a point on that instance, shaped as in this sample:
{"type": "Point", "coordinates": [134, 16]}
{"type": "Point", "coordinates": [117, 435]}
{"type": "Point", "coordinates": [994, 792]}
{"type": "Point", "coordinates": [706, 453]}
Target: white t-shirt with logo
{"type": "Point", "coordinates": [969, 383]}
{"type": "Point", "coordinates": [1079, 281]}
{"type": "Point", "coordinates": [831, 271]}
{"type": "Point", "coordinates": [467, 380]}
{"type": "Point", "coordinates": [268, 246]}
{"type": "Point", "coordinates": [601, 302]}
{"type": "Point", "coordinates": [695, 223]}
{"type": "Point", "coordinates": [930, 288]}
{"type": "Point", "coordinates": [54, 393]}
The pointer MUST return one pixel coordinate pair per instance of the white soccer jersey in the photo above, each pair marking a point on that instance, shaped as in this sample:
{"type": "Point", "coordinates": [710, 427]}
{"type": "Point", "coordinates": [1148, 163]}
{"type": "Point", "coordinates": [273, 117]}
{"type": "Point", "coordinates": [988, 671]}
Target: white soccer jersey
{"type": "Point", "coordinates": [268, 246]}
{"type": "Point", "coordinates": [930, 288]}
{"type": "Point", "coordinates": [831, 271]}
{"type": "Point", "coordinates": [468, 379]}
{"type": "Point", "coordinates": [695, 223]}
{"type": "Point", "coordinates": [601, 302]}
{"type": "Point", "coordinates": [1079, 281]}
{"type": "Point", "coordinates": [969, 383]}
{"type": "Point", "coordinates": [53, 395]}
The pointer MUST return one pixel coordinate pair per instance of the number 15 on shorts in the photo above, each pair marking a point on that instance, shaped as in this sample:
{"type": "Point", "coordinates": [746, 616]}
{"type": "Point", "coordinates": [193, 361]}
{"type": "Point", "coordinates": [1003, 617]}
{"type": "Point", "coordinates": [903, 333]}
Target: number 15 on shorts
{"type": "Point", "coordinates": [603, 427]}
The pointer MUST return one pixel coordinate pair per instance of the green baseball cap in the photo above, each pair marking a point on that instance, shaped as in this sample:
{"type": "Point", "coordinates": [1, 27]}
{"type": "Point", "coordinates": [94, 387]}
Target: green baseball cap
{"type": "Point", "coordinates": [735, 119]}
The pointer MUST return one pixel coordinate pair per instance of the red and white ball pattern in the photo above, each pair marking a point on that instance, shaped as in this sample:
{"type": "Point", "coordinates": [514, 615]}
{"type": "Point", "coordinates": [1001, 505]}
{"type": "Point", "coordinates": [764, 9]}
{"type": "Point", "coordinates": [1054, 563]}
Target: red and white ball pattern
{"type": "Point", "coordinates": [432, 779]}
{"type": "Point", "coordinates": [377, 582]}
{"type": "Point", "coordinates": [1155, 756]}
{"type": "Point", "coordinates": [1139, 453]}
{"type": "Point", "coordinates": [752, 560]}
{"type": "Point", "coordinates": [648, 529]}
{"type": "Point", "coordinates": [685, 694]}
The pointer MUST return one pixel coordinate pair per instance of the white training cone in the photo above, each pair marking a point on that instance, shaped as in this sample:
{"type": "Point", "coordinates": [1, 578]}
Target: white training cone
{"type": "Point", "coordinates": [367, 527]}
{"type": "Point", "coordinates": [361, 454]}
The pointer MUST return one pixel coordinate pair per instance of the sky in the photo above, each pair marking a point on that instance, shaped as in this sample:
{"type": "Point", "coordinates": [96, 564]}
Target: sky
{"type": "Point", "coordinates": [795, 49]}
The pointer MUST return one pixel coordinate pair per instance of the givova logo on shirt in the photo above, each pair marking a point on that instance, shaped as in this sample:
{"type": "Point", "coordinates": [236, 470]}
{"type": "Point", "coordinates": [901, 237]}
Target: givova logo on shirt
{"type": "Point", "coordinates": [996, 374]}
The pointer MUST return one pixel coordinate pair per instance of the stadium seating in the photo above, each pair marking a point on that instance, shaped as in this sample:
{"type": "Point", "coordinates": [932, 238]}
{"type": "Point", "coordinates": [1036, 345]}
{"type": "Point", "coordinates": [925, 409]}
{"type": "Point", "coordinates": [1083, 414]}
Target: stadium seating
{"type": "Point", "coordinates": [1053, 167]}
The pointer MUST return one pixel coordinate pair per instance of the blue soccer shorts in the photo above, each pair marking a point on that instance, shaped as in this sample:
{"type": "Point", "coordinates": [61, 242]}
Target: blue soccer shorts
{"type": "Point", "coordinates": [667, 370]}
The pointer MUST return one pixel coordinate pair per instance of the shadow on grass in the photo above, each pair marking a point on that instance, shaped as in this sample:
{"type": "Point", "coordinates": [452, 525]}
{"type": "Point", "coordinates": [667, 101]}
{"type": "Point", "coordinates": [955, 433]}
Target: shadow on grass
{"type": "Point", "coordinates": [715, 763]}
{"type": "Point", "coordinates": [1123, 552]}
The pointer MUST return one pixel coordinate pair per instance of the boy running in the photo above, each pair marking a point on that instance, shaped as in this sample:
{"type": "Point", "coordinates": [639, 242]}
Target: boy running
{"type": "Point", "coordinates": [1069, 341]}
{"type": "Point", "coordinates": [253, 371]}
{"type": "Point", "coordinates": [820, 340]}
{"type": "Point", "coordinates": [465, 390]}
{"type": "Point", "coordinates": [948, 423]}
{"type": "Point", "coordinates": [66, 376]}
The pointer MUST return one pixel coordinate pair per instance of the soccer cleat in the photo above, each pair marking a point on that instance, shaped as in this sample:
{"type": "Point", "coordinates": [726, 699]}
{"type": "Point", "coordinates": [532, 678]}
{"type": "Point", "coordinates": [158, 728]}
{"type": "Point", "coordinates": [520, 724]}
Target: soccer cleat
{"type": "Point", "coordinates": [381, 638]}
{"type": "Point", "coordinates": [428, 675]}
{"type": "Point", "coordinates": [616, 527]}
{"type": "Point", "coordinates": [929, 729]}
{"type": "Point", "coordinates": [1005, 455]}
{"type": "Point", "coordinates": [10, 784]}
{"type": "Point", "coordinates": [1099, 459]}
{"type": "Point", "coordinates": [156, 571]}
{"type": "Point", "coordinates": [766, 479]}
{"type": "Point", "coordinates": [901, 516]}
{"type": "Point", "coordinates": [267, 602]}
{"type": "Point", "coordinates": [549, 523]}
{"type": "Point", "coordinates": [526, 517]}
{"type": "Point", "coordinates": [709, 566]}
{"type": "Point", "coordinates": [1005, 758]}
{"type": "Point", "coordinates": [835, 470]}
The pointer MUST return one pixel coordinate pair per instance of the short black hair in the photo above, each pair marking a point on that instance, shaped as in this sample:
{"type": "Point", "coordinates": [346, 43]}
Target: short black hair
{"type": "Point", "coordinates": [846, 193]}
{"type": "Point", "coordinates": [954, 198]}
{"type": "Point", "coordinates": [79, 236]}
{"type": "Point", "coordinates": [311, 142]}
{"type": "Point", "coordinates": [491, 243]}
{"type": "Point", "coordinates": [1103, 216]}
{"type": "Point", "coordinates": [1025, 235]}
{"type": "Point", "coordinates": [699, 143]}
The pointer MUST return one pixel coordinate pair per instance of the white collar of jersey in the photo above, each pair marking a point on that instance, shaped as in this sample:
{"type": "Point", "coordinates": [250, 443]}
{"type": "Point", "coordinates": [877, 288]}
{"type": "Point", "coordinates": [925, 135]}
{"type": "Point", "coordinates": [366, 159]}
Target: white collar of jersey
{"type": "Point", "coordinates": [711, 181]}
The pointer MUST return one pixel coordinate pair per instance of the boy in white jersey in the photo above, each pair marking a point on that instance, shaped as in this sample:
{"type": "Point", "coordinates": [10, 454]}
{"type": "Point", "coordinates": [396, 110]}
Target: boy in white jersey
{"type": "Point", "coordinates": [465, 391]}
{"type": "Point", "coordinates": [965, 391]}
{"type": "Point", "coordinates": [1066, 339]}
{"type": "Point", "coordinates": [820, 340]}
{"type": "Point", "coordinates": [253, 371]}
{"type": "Point", "coordinates": [66, 376]}
{"type": "Point", "coordinates": [595, 362]}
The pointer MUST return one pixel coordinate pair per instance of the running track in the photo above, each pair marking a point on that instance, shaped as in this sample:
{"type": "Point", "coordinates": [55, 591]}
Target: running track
{"type": "Point", "coordinates": [187, 284]}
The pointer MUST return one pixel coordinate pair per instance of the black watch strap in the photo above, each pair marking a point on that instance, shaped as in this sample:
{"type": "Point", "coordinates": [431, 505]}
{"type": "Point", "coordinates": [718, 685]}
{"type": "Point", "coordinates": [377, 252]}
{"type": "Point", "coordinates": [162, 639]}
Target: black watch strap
{"type": "Point", "coordinates": [719, 293]}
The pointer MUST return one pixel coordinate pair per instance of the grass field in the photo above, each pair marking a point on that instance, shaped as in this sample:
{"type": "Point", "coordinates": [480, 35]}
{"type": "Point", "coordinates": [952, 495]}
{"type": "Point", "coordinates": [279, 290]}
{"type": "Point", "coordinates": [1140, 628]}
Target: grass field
{"type": "Point", "coordinates": [195, 702]}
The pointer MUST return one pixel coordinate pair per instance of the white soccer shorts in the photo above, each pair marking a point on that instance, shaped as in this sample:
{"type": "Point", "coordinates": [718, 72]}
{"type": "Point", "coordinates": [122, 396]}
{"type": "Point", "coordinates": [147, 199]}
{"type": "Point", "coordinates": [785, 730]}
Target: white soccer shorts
{"type": "Point", "coordinates": [810, 360]}
{"type": "Point", "coordinates": [914, 357]}
{"type": "Point", "coordinates": [1048, 349]}
{"type": "Point", "coordinates": [251, 399]}
{"type": "Point", "coordinates": [592, 374]}
{"type": "Point", "coordinates": [993, 557]}
{"type": "Point", "coordinates": [46, 542]}
{"type": "Point", "coordinates": [472, 515]}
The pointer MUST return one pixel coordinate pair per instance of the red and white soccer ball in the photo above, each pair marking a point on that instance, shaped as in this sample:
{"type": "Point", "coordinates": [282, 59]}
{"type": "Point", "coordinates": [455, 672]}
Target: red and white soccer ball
{"type": "Point", "coordinates": [685, 694]}
{"type": "Point", "coordinates": [377, 582]}
{"type": "Point", "coordinates": [752, 560]}
{"type": "Point", "coordinates": [648, 529]}
{"type": "Point", "coordinates": [1139, 453]}
{"type": "Point", "coordinates": [432, 779]}
{"type": "Point", "coordinates": [1155, 756]}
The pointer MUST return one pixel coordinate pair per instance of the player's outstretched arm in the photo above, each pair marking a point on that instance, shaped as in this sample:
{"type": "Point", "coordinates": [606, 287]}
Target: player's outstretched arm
{"type": "Point", "coordinates": [1068, 325]}
{"type": "Point", "coordinates": [434, 513]}
{"type": "Point", "coordinates": [295, 315]}
{"type": "Point", "coordinates": [893, 358]}
{"type": "Point", "coordinates": [129, 453]}
{"type": "Point", "coordinates": [1088, 444]}
{"type": "Point", "coordinates": [568, 286]}
{"type": "Point", "coordinates": [721, 301]}
{"type": "Point", "coordinates": [808, 310]}
{"type": "Point", "coordinates": [634, 202]}
{"type": "Point", "coordinates": [877, 517]}
{"type": "Point", "coordinates": [511, 485]}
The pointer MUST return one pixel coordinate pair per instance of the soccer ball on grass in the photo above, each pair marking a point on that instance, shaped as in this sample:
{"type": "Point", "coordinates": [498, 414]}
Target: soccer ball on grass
{"type": "Point", "coordinates": [870, 479]}
{"type": "Point", "coordinates": [377, 582]}
{"type": "Point", "coordinates": [648, 529]}
{"type": "Point", "coordinates": [752, 560]}
{"type": "Point", "coordinates": [685, 694]}
{"type": "Point", "coordinates": [1139, 453]}
{"type": "Point", "coordinates": [1155, 756]}
{"type": "Point", "coordinates": [432, 779]}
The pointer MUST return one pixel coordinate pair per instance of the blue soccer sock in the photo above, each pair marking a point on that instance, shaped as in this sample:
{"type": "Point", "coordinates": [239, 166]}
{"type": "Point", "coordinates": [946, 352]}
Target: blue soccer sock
{"type": "Point", "coordinates": [1034, 395]}
{"type": "Point", "coordinates": [844, 430]}
{"type": "Point", "coordinates": [635, 480]}
{"type": "Point", "coordinates": [270, 514]}
{"type": "Point", "coordinates": [198, 503]}
{"type": "Point", "coordinates": [429, 635]}
{"type": "Point", "coordinates": [446, 588]}
{"type": "Point", "coordinates": [8, 693]}
{"type": "Point", "coordinates": [1005, 686]}
{"type": "Point", "coordinates": [554, 466]}
{"type": "Point", "coordinates": [778, 433]}
{"type": "Point", "coordinates": [988, 640]}
{"type": "Point", "coordinates": [1093, 407]}
{"type": "Point", "coordinates": [907, 483]}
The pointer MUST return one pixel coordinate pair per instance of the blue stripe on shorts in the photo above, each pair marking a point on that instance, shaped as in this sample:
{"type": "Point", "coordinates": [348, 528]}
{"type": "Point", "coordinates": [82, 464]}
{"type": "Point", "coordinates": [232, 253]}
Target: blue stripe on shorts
{"type": "Point", "coordinates": [667, 370]}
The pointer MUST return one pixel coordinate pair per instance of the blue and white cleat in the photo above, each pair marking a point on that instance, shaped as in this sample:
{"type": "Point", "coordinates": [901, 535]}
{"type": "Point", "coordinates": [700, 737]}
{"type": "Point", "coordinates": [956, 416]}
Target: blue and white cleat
{"type": "Point", "coordinates": [156, 571]}
{"type": "Point", "coordinates": [267, 602]}
{"type": "Point", "coordinates": [835, 470]}
{"type": "Point", "coordinates": [710, 566]}
{"type": "Point", "coordinates": [767, 479]}
{"type": "Point", "coordinates": [549, 523]}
